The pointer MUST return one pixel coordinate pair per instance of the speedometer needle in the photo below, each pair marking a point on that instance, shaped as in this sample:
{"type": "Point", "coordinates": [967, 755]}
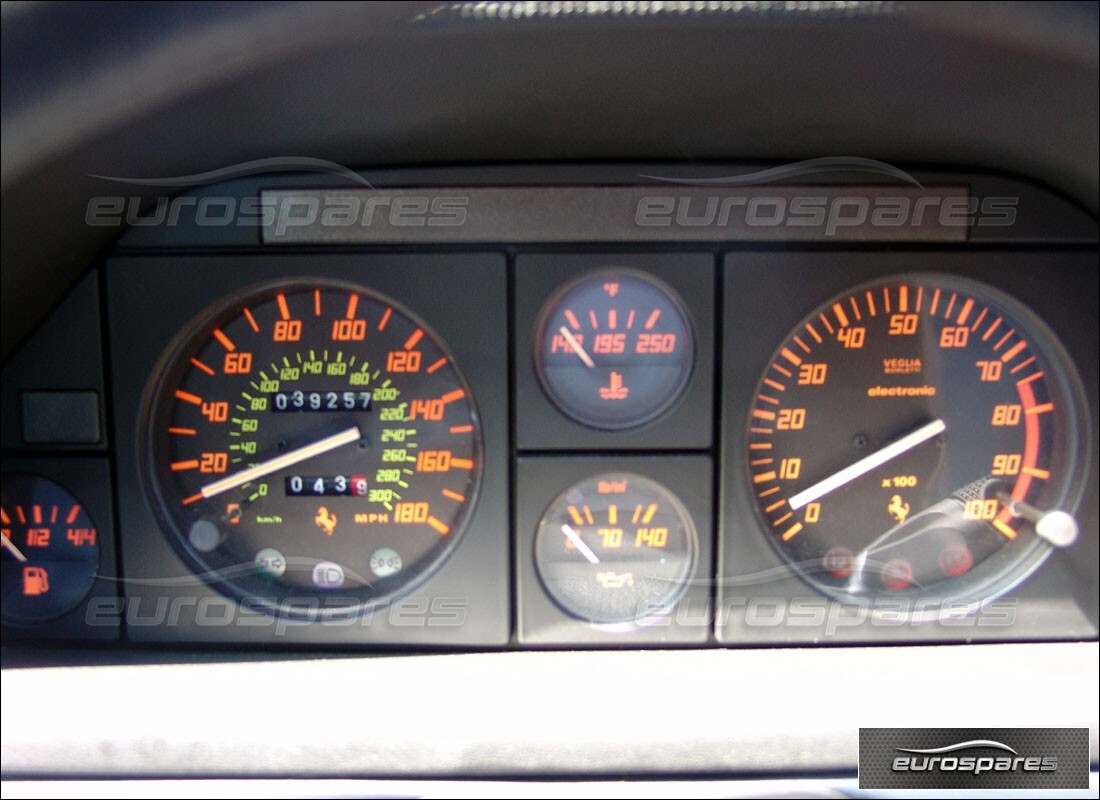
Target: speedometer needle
{"type": "Point", "coordinates": [868, 463]}
{"type": "Point", "coordinates": [576, 345]}
{"type": "Point", "coordinates": [265, 468]}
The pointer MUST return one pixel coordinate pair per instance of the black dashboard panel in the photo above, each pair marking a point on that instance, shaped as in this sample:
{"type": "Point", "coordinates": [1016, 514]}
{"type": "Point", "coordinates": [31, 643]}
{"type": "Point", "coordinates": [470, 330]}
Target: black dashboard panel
{"type": "Point", "coordinates": [776, 252]}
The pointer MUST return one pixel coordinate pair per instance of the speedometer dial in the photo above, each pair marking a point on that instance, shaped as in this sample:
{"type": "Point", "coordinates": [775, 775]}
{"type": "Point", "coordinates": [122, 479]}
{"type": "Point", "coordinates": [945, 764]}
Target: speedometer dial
{"type": "Point", "coordinates": [312, 447]}
{"type": "Point", "coordinates": [915, 437]}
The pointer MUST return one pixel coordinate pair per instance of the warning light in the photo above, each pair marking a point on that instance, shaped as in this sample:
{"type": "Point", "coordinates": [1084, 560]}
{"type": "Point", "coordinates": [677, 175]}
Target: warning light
{"type": "Point", "coordinates": [615, 580]}
{"type": "Point", "coordinates": [36, 581]}
{"type": "Point", "coordinates": [838, 562]}
{"type": "Point", "coordinates": [615, 390]}
{"type": "Point", "coordinates": [955, 560]}
{"type": "Point", "coordinates": [897, 573]}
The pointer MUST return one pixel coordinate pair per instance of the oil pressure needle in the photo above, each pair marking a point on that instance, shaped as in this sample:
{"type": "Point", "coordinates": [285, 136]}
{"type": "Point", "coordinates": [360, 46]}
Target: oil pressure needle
{"type": "Point", "coordinates": [576, 345]}
{"type": "Point", "coordinates": [868, 463]}
{"type": "Point", "coordinates": [265, 468]}
{"type": "Point", "coordinates": [578, 542]}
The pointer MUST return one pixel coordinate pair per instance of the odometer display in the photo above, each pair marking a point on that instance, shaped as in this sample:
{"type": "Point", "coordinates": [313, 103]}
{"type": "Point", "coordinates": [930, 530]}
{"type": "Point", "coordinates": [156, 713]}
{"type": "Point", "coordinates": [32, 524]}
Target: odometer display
{"type": "Point", "coordinates": [899, 431]}
{"type": "Point", "coordinates": [312, 447]}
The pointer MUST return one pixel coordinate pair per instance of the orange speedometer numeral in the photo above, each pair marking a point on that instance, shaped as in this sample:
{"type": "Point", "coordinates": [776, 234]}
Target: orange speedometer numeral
{"type": "Point", "coordinates": [403, 361]}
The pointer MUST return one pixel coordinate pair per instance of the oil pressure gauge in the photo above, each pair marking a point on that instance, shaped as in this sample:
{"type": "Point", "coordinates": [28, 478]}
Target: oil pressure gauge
{"type": "Point", "coordinates": [616, 548]}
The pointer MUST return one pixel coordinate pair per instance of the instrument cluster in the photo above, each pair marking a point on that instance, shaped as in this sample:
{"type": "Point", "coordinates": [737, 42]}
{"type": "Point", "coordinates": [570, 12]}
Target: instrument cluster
{"type": "Point", "coordinates": [576, 445]}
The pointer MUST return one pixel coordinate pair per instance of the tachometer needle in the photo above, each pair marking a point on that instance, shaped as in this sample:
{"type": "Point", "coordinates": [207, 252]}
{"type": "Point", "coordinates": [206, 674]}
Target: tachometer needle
{"type": "Point", "coordinates": [578, 542]}
{"type": "Point", "coordinates": [9, 545]}
{"type": "Point", "coordinates": [265, 468]}
{"type": "Point", "coordinates": [868, 463]}
{"type": "Point", "coordinates": [576, 345]}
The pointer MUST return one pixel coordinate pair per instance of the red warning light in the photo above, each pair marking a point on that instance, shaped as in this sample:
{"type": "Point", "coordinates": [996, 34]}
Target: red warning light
{"type": "Point", "coordinates": [955, 559]}
{"type": "Point", "coordinates": [897, 574]}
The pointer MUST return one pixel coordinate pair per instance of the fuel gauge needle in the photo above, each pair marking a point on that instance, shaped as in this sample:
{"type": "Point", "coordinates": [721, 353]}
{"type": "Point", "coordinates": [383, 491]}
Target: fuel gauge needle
{"type": "Point", "coordinates": [265, 468]}
{"type": "Point", "coordinates": [576, 345]}
{"type": "Point", "coordinates": [868, 463]}
{"type": "Point", "coordinates": [9, 545]}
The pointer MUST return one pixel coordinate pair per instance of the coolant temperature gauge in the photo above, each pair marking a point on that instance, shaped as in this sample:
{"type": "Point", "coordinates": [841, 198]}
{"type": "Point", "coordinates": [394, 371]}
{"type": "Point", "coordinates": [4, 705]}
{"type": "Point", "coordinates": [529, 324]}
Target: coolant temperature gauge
{"type": "Point", "coordinates": [616, 548]}
{"type": "Point", "coordinates": [51, 550]}
{"type": "Point", "coordinates": [614, 349]}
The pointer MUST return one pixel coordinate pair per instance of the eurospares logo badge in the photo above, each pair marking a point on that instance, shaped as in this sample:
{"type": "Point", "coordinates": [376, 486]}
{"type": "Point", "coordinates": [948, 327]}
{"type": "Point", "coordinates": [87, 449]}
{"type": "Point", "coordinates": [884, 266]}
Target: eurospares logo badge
{"type": "Point", "coordinates": [973, 758]}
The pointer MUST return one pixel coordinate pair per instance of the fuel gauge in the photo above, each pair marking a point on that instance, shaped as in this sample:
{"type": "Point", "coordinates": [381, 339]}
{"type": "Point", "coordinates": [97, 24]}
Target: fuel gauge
{"type": "Point", "coordinates": [51, 550]}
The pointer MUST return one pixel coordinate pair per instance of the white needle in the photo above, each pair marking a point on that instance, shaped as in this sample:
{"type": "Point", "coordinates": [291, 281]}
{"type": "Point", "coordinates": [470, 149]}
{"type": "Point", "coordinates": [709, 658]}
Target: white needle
{"type": "Point", "coordinates": [586, 551]}
{"type": "Point", "coordinates": [569, 337]}
{"type": "Point", "coordinates": [9, 545]}
{"type": "Point", "coordinates": [1057, 527]}
{"type": "Point", "coordinates": [868, 463]}
{"type": "Point", "coordinates": [281, 462]}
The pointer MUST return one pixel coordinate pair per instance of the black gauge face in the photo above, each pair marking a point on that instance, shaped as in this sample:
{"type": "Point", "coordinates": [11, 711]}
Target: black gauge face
{"type": "Point", "coordinates": [313, 447]}
{"type": "Point", "coordinates": [614, 350]}
{"type": "Point", "coordinates": [51, 550]}
{"type": "Point", "coordinates": [615, 548]}
{"type": "Point", "coordinates": [904, 434]}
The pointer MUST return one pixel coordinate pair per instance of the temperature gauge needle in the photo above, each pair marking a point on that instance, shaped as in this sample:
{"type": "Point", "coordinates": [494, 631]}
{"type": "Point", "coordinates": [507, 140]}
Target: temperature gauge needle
{"type": "Point", "coordinates": [868, 463]}
{"type": "Point", "coordinates": [578, 542]}
{"type": "Point", "coordinates": [265, 468]}
{"type": "Point", "coordinates": [576, 345]}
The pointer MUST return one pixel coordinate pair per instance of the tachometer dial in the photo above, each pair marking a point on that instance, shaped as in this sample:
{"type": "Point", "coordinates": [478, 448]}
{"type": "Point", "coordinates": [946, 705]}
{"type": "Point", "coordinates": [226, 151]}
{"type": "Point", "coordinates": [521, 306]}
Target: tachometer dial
{"type": "Point", "coordinates": [616, 548]}
{"type": "Point", "coordinates": [312, 447]}
{"type": "Point", "coordinates": [911, 438]}
{"type": "Point", "coordinates": [614, 349]}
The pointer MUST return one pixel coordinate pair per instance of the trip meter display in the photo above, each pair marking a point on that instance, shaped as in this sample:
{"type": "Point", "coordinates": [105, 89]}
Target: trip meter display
{"type": "Point", "coordinates": [312, 447]}
{"type": "Point", "coordinates": [915, 437]}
